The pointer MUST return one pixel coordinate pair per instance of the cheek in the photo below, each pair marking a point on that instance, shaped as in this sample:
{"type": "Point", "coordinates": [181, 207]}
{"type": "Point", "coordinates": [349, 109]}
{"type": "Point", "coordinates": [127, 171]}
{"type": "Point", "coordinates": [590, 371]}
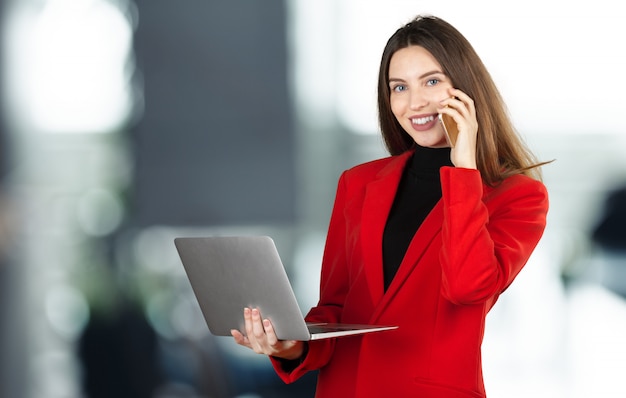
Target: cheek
{"type": "Point", "coordinates": [443, 93]}
{"type": "Point", "coordinates": [397, 106]}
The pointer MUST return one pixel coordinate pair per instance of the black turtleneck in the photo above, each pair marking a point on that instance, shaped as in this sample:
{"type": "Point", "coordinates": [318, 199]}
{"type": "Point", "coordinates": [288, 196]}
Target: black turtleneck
{"type": "Point", "coordinates": [418, 192]}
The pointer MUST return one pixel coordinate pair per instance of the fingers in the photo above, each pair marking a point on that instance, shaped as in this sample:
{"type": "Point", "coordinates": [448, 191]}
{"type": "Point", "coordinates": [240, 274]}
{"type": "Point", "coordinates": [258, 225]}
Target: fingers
{"type": "Point", "coordinates": [247, 317]}
{"type": "Point", "coordinates": [260, 335]}
{"type": "Point", "coordinates": [262, 339]}
{"type": "Point", "coordinates": [462, 109]}
{"type": "Point", "coordinates": [255, 338]}
{"type": "Point", "coordinates": [461, 103]}
{"type": "Point", "coordinates": [258, 331]}
{"type": "Point", "coordinates": [270, 335]}
{"type": "Point", "coordinates": [240, 338]}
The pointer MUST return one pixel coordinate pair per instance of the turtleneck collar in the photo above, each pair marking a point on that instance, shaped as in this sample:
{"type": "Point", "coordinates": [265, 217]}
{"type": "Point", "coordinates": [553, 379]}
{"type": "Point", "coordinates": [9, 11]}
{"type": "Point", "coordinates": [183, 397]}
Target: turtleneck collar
{"type": "Point", "coordinates": [429, 160]}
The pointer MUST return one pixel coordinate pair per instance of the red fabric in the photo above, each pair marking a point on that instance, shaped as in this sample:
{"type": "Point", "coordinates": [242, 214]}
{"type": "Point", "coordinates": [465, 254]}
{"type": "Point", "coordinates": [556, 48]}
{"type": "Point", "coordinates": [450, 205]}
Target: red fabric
{"type": "Point", "coordinates": [467, 251]}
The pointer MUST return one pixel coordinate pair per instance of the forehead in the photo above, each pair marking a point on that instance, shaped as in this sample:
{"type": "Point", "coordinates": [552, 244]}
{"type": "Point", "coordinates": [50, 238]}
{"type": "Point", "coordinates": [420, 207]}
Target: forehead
{"type": "Point", "coordinates": [412, 59]}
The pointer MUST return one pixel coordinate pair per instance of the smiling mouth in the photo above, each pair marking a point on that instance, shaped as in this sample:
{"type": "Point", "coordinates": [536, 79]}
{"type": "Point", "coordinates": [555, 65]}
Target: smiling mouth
{"type": "Point", "coordinates": [420, 121]}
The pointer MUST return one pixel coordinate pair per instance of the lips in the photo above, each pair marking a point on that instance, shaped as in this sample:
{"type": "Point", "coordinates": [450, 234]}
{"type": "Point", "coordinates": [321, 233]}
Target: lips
{"type": "Point", "coordinates": [422, 120]}
{"type": "Point", "coordinates": [422, 123]}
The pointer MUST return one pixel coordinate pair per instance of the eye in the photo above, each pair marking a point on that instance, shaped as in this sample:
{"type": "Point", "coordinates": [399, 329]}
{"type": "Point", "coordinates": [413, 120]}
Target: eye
{"type": "Point", "coordinates": [432, 82]}
{"type": "Point", "coordinates": [398, 88]}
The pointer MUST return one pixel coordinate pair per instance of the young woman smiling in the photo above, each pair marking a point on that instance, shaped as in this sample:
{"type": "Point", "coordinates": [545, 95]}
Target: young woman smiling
{"type": "Point", "coordinates": [426, 238]}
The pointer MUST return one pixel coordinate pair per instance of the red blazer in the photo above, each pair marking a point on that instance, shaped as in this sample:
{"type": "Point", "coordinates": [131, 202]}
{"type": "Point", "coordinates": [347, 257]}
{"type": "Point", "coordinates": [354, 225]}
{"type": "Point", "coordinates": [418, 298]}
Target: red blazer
{"type": "Point", "coordinates": [466, 253]}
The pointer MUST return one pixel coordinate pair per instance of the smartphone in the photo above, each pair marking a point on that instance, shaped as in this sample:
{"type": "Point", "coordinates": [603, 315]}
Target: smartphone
{"type": "Point", "coordinates": [450, 128]}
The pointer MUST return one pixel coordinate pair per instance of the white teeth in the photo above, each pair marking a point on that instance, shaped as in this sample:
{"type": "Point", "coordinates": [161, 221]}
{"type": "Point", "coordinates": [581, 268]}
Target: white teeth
{"type": "Point", "coordinates": [422, 120]}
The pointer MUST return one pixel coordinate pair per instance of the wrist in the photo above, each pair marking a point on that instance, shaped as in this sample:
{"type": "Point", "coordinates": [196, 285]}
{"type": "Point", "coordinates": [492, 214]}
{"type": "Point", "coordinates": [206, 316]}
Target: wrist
{"type": "Point", "coordinates": [468, 162]}
{"type": "Point", "coordinates": [297, 352]}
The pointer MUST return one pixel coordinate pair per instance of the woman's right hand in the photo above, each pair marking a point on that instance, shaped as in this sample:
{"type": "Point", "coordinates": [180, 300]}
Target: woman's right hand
{"type": "Point", "coordinates": [261, 338]}
{"type": "Point", "coordinates": [461, 108]}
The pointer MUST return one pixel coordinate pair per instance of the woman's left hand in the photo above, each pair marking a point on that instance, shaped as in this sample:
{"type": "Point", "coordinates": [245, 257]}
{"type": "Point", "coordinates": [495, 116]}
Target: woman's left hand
{"type": "Point", "coordinates": [261, 338]}
{"type": "Point", "coordinates": [461, 108]}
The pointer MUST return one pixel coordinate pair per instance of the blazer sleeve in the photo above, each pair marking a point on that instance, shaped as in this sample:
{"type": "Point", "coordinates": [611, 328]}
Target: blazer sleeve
{"type": "Point", "coordinates": [487, 237]}
{"type": "Point", "coordinates": [334, 285]}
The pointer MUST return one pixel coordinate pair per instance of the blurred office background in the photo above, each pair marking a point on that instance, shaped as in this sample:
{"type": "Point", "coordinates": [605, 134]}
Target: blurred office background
{"type": "Point", "coordinates": [126, 123]}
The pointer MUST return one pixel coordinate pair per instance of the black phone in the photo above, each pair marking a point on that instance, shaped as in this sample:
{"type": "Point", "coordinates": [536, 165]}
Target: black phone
{"type": "Point", "coordinates": [450, 128]}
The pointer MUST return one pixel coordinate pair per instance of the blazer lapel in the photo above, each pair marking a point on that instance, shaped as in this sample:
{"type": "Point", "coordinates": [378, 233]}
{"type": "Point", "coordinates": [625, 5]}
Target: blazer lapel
{"type": "Point", "coordinates": [420, 242]}
{"type": "Point", "coordinates": [379, 197]}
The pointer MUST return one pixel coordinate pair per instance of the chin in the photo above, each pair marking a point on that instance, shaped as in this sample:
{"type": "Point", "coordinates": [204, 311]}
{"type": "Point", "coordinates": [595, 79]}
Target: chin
{"type": "Point", "coordinates": [431, 144]}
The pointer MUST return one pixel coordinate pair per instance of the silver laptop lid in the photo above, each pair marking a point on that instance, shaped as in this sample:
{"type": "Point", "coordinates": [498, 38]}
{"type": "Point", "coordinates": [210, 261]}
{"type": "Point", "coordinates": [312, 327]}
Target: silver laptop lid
{"type": "Point", "coordinates": [228, 273]}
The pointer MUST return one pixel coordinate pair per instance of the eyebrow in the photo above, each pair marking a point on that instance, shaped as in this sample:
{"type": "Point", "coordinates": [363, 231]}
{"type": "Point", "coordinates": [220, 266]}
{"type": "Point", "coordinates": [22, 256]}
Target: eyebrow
{"type": "Point", "coordinates": [432, 72]}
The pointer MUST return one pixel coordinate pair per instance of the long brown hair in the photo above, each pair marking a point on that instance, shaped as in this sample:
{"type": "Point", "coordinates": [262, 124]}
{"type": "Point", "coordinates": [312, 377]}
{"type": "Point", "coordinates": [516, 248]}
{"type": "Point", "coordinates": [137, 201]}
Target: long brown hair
{"type": "Point", "coordinates": [500, 151]}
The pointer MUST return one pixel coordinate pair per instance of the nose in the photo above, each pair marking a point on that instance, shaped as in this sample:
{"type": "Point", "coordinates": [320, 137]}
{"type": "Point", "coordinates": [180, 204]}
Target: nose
{"type": "Point", "coordinates": [417, 100]}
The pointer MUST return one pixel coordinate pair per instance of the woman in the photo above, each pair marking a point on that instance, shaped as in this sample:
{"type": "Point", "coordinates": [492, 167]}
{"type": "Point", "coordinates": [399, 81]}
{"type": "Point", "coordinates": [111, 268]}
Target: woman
{"type": "Point", "coordinates": [426, 239]}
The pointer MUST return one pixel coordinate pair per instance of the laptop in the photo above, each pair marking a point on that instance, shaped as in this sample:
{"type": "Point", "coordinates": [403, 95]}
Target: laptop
{"type": "Point", "coordinates": [228, 273]}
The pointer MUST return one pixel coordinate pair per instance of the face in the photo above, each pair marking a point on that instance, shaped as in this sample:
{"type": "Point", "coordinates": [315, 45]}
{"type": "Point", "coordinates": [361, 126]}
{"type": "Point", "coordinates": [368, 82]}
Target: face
{"type": "Point", "coordinates": [418, 85]}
